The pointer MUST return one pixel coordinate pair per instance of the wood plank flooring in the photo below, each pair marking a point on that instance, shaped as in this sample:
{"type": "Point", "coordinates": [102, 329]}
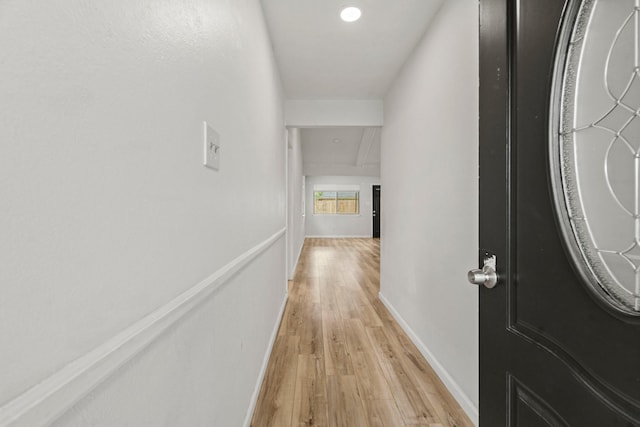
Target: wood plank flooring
{"type": "Point", "coordinates": [340, 360]}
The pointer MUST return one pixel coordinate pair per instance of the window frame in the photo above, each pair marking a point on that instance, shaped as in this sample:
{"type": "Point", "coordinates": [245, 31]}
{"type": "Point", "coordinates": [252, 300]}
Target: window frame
{"type": "Point", "coordinates": [337, 190]}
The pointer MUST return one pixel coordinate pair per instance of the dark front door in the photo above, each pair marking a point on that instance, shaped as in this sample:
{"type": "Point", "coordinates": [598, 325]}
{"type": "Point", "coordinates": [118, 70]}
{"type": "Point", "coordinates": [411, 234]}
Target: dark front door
{"type": "Point", "coordinates": [560, 332]}
{"type": "Point", "coordinates": [376, 211]}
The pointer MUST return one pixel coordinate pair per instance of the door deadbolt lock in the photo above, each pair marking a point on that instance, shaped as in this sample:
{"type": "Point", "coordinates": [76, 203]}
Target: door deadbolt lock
{"type": "Point", "coordinates": [487, 276]}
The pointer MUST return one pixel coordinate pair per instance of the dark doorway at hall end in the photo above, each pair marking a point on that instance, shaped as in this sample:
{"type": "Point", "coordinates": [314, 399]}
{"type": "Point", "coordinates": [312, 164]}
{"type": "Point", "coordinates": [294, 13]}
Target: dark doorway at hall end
{"type": "Point", "coordinates": [376, 211]}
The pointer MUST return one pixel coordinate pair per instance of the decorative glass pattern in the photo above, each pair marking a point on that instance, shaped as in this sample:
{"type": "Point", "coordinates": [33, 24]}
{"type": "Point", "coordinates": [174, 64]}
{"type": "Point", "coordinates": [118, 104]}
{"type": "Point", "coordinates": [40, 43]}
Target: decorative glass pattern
{"type": "Point", "coordinates": [595, 146]}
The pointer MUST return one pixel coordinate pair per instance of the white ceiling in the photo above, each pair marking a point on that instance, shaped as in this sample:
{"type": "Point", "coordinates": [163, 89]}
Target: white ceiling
{"type": "Point", "coordinates": [341, 151]}
{"type": "Point", "coordinates": [320, 57]}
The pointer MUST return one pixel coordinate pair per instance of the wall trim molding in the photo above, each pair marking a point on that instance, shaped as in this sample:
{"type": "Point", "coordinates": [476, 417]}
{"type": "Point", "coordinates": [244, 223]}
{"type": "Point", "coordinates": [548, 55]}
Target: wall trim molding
{"type": "Point", "coordinates": [298, 256]}
{"type": "Point", "coordinates": [339, 237]}
{"type": "Point", "coordinates": [265, 362]}
{"type": "Point", "coordinates": [48, 400]}
{"type": "Point", "coordinates": [467, 405]}
{"type": "Point", "coordinates": [295, 263]}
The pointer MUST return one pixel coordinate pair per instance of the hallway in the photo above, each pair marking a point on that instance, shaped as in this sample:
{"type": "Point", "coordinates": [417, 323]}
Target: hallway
{"type": "Point", "coordinates": [340, 359]}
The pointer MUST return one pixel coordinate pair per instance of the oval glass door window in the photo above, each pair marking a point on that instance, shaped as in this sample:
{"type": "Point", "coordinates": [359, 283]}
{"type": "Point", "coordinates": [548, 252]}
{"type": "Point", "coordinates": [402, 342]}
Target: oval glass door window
{"type": "Point", "coordinates": [595, 146]}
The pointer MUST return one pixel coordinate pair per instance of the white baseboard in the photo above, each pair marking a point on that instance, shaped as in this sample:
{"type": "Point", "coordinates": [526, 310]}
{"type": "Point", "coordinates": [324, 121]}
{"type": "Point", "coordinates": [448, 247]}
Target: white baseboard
{"type": "Point", "coordinates": [467, 405]}
{"type": "Point", "coordinates": [298, 256]}
{"type": "Point", "coordinates": [292, 273]}
{"type": "Point", "coordinates": [339, 237]}
{"type": "Point", "coordinates": [48, 400]}
{"type": "Point", "coordinates": [265, 363]}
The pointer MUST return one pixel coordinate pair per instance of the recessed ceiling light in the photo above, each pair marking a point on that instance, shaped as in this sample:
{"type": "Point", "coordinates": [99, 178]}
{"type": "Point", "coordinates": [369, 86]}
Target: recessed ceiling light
{"type": "Point", "coordinates": [336, 141]}
{"type": "Point", "coordinates": [350, 14]}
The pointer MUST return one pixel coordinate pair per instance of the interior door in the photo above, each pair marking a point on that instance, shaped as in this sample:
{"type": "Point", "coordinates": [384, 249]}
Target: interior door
{"type": "Point", "coordinates": [376, 211]}
{"type": "Point", "coordinates": [559, 345]}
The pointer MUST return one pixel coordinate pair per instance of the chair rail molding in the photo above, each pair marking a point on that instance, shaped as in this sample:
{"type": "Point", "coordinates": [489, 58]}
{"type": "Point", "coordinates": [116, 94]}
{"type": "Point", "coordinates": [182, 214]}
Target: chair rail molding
{"type": "Point", "coordinates": [49, 399]}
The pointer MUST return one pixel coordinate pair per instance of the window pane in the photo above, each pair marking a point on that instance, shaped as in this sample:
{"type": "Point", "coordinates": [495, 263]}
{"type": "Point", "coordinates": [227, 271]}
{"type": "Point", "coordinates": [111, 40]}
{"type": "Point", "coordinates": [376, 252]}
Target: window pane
{"type": "Point", "coordinates": [324, 202]}
{"type": "Point", "coordinates": [347, 195]}
{"type": "Point", "coordinates": [348, 202]}
{"type": "Point", "coordinates": [323, 195]}
{"type": "Point", "coordinates": [336, 202]}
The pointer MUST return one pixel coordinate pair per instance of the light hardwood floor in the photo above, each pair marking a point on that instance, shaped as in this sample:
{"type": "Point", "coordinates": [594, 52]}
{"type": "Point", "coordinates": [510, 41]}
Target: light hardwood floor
{"type": "Point", "coordinates": [340, 359]}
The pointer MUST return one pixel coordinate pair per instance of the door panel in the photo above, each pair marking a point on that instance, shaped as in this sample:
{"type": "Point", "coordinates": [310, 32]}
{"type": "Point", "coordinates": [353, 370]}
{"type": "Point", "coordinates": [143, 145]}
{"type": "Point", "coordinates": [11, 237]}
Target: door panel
{"type": "Point", "coordinates": [551, 353]}
{"type": "Point", "coordinates": [528, 408]}
{"type": "Point", "coordinates": [376, 211]}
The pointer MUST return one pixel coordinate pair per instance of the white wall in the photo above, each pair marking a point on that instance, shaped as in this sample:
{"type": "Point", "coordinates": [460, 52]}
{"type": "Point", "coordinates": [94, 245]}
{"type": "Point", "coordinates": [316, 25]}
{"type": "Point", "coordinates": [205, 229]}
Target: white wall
{"type": "Point", "coordinates": [333, 113]}
{"type": "Point", "coordinates": [295, 206]}
{"type": "Point", "coordinates": [108, 214]}
{"type": "Point", "coordinates": [336, 169]}
{"type": "Point", "coordinates": [341, 225]}
{"type": "Point", "coordinates": [429, 230]}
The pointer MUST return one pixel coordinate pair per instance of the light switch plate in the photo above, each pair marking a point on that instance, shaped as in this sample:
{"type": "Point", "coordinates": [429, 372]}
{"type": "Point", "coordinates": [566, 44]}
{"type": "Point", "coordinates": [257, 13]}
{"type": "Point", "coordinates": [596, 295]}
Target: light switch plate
{"type": "Point", "coordinates": [211, 147]}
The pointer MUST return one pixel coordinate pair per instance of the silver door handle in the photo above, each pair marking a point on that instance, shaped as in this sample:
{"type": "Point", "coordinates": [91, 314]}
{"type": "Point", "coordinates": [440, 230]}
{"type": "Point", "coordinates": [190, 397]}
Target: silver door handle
{"type": "Point", "coordinates": [487, 276]}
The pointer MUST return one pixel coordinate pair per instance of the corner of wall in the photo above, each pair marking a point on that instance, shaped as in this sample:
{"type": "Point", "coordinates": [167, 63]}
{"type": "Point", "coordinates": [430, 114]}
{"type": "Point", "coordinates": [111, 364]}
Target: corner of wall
{"type": "Point", "coordinates": [467, 405]}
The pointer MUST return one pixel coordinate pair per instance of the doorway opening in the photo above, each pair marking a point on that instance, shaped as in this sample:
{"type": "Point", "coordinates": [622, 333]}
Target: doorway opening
{"type": "Point", "coordinates": [376, 211]}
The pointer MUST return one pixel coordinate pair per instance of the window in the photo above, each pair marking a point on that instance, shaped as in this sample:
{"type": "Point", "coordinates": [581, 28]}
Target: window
{"type": "Point", "coordinates": [336, 202]}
